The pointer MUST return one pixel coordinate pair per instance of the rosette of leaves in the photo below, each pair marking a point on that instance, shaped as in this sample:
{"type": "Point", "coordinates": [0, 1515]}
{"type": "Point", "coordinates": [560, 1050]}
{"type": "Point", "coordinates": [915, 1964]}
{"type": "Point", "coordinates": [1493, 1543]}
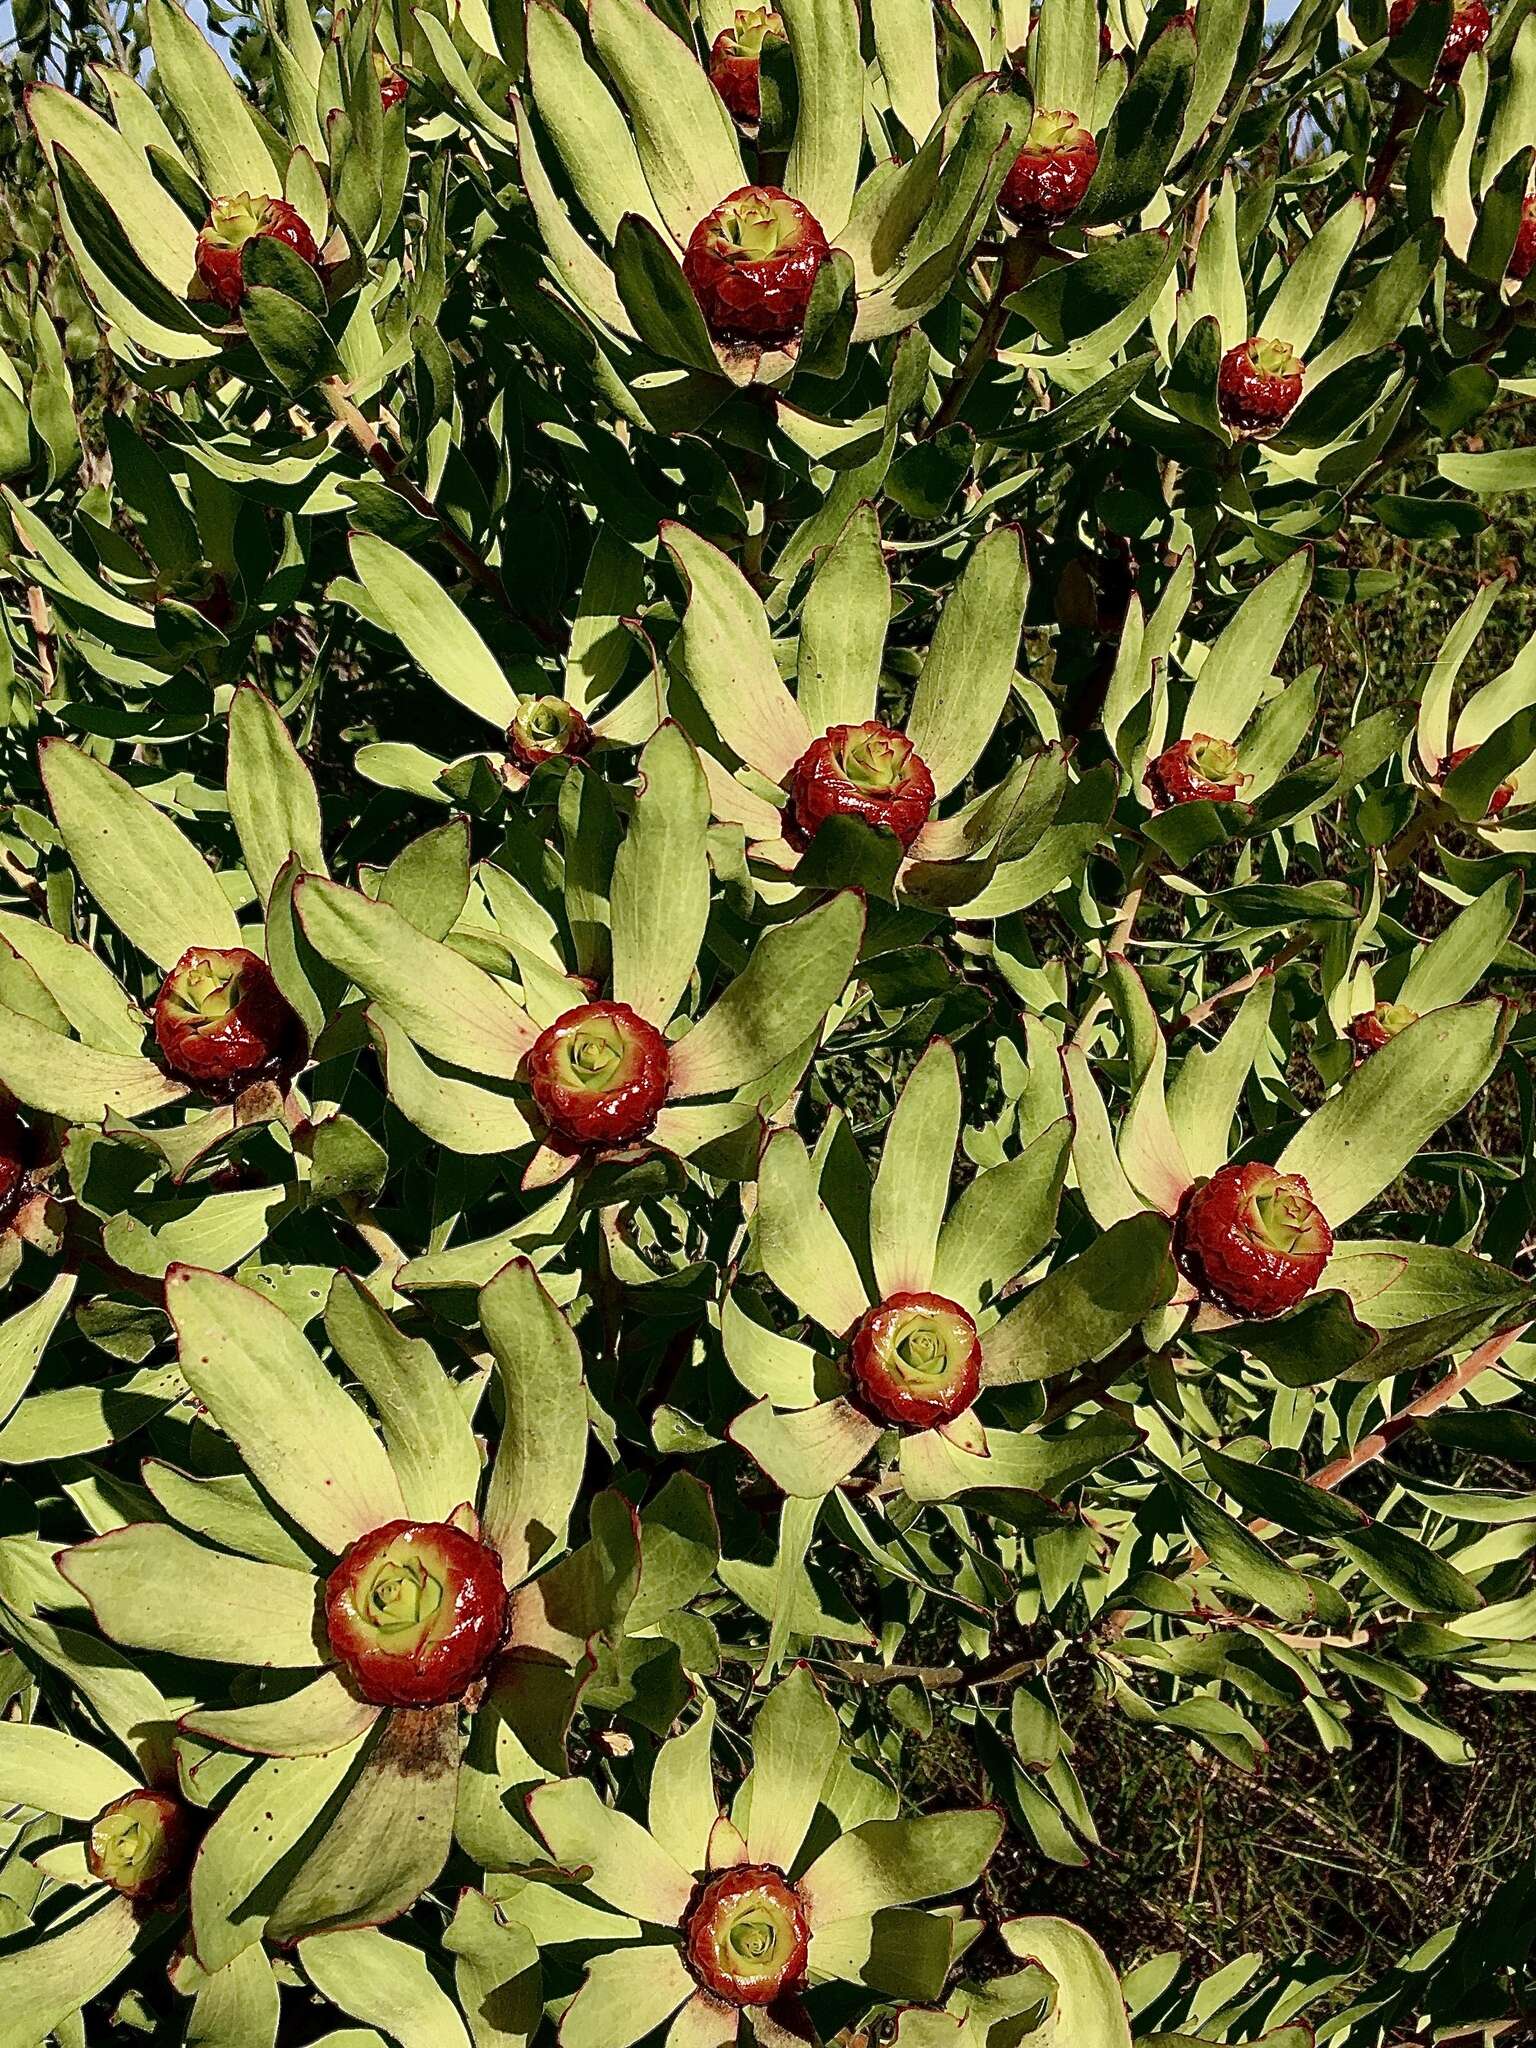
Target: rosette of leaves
{"type": "Point", "coordinates": [923, 1283]}
{"type": "Point", "coordinates": [585, 704]}
{"type": "Point", "coordinates": [132, 195]}
{"type": "Point", "coordinates": [114, 1855]}
{"type": "Point", "coordinates": [275, 1571]}
{"type": "Point", "coordinates": [843, 1901]}
{"type": "Point", "coordinates": [1173, 1135]}
{"type": "Point", "coordinates": [446, 1026]}
{"type": "Point", "coordinates": [647, 149]}
{"type": "Point", "coordinates": [724, 652]}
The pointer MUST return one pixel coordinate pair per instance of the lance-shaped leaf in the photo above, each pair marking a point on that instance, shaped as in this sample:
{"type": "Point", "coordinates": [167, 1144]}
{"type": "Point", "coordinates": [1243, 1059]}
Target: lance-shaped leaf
{"type": "Point", "coordinates": [585, 124]}
{"type": "Point", "coordinates": [823, 165]}
{"type": "Point", "coordinates": [404, 595]}
{"type": "Point", "coordinates": [1236, 672]}
{"type": "Point", "coordinates": [796, 973]}
{"type": "Point", "coordinates": [153, 884]}
{"type": "Point", "coordinates": [317, 1718]}
{"type": "Point", "coordinates": [685, 138]}
{"type": "Point", "coordinates": [900, 1862]}
{"type": "Point", "coordinates": [385, 1983]}
{"type": "Point", "coordinates": [966, 678]}
{"type": "Point", "coordinates": [658, 298]}
{"type": "Point", "coordinates": [843, 626]}
{"type": "Point", "coordinates": [911, 1188]}
{"type": "Point", "coordinates": [1002, 1220]}
{"type": "Point", "coordinates": [217, 120]}
{"type": "Point", "coordinates": [727, 654]}
{"type": "Point", "coordinates": [431, 1445]}
{"type": "Point", "coordinates": [795, 1742]}
{"type": "Point", "coordinates": [54, 1773]}
{"type": "Point", "coordinates": [269, 1815]}
{"type": "Point", "coordinates": [1089, 2011]}
{"type": "Point", "coordinates": [390, 1838]}
{"type": "Point", "coordinates": [659, 899]}
{"type": "Point", "coordinates": [454, 1111]}
{"type": "Point", "coordinates": [444, 1002]}
{"type": "Point", "coordinates": [543, 1444]}
{"type": "Point", "coordinates": [155, 1589]}
{"type": "Point", "coordinates": [24, 1337]}
{"type": "Point", "coordinates": [1452, 965]}
{"type": "Point", "coordinates": [1144, 130]}
{"type": "Point", "coordinates": [802, 1250]}
{"type": "Point", "coordinates": [272, 796]}
{"type": "Point", "coordinates": [1393, 1103]}
{"type": "Point", "coordinates": [629, 1868]}
{"type": "Point", "coordinates": [77, 1956]}
{"type": "Point", "coordinates": [1083, 1309]}
{"type": "Point", "coordinates": [308, 1443]}
{"type": "Point", "coordinates": [626, 1995]}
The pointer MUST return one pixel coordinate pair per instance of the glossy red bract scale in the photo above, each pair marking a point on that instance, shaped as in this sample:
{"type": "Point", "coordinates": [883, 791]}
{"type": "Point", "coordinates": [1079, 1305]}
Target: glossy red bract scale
{"type": "Point", "coordinates": [752, 265]}
{"type": "Point", "coordinates": [13, 1161]}
{"type": "Point", "coordinates": [1050, 174]}
{"type": "Point", "coordinates": [393, 89]}
{"type": "Point", "coordinates": [1252, 1240]}
{"type": "Point", "coordinates": [233, 222]}
{"type": "Point", "coordinates": [916, 1360]}
{"type": "Point", "coordinates": [1194, 768]}
{"type": "Point", "coordinates": [860, 771]}
{"type": "Point", "coordinates": [735, 62]}
{"type": "Point", "coordinates": [414, 1612]}
{"type": "Point", "coordinates": [1471, 26]}
{"type": "Point", "coordinates": [599, 1075]}
{"type": "Point", "coordinates": [221, 1021]}
{"type": "Point", "coordinates": [141, 1845]}
{"type": "Point", "coordinates": [746, 1935]}
{"type": "Point", "coordinates": [1258, 386]}
{"type": "Point", "coordinates": [1502, 797]}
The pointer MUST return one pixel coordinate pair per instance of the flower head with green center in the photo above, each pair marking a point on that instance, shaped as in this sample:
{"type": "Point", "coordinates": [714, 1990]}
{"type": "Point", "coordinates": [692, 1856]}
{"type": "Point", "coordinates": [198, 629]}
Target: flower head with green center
{"type": "Point", "coordinates": [746, 1935]}
{"type": "Point", "coordinates": [1051, 173]}
{"type": "Point", "coordinates": [916, 1360]}
{"type": "Point", "coordinates": [1252, 1240]}
{"type": "Point", "coordinates": [221, 1022]}
{"type": "Point", "coordinates": [756, 1906]}
{"type": "Point", "coordinates": [863, 771]}
{"type": "Point", "coordinates": [599, 1075]}
{"type": "Point", "coordinates": [1375, 1027]}
{"type": "Point", "coordinates": [140, 1845]}
{"type": "Point", "coordinates": [1258, 386]}
{"type": "Point", "coordinates": [752, 264]}
{"type": "Point", "coordinates": [1193, 769]}
{"type": "Point", "coordinates": [234, 220]}
{"type": "Point", "coordinates": [415, 1611]}
{"type": "Point", "coordinates": [545, 729]}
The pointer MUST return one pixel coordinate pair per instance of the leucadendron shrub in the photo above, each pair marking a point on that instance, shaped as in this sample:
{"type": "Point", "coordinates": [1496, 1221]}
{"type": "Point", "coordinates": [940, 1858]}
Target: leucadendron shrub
{"type": "Point", "coordinates": [743, 1101]}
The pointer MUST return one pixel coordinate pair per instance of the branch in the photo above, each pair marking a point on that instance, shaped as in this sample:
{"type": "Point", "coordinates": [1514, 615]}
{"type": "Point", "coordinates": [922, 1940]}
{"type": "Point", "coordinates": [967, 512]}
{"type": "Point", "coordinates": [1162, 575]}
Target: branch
{"type": "Point", "coordinates": [369, 440]}
{"type": "Point", "coordinates": [1015, 267]}
{"type": "Point", "coordinates": [1240, 987]}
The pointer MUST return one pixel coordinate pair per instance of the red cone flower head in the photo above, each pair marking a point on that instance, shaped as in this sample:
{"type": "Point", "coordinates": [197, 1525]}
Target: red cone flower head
{"type": "Point", "coordinates": [142, 1845]}
{"type": "Point", "coordinates": [1471, 26]}
{"type": "Point", "coordinates": [1252, 1240]}
{"type": "Point", "coordinates": [393, 85]}
{"type": "Point", "coordinates": [414, 1612]}
{"type": "Point", "coordinates": [746, 1936]}
{"type": "Point", "coordinates": [1050, 173]}
{"type": "Point", "coordinates": [1502, 797]}
{"type": "Point", "coordinates": [231, 224]}
{"type": "Point", "coordinates": [544, 729]}
{"type": "Point", "coordinates": [1190, 769]}
{"type": "Point", "coordinates": [735, 61]}
{"type": "Point", "coordinates": [916, 1360]}
{"type": "Point", "coordinates": [1258, 386]}
{"type": "Point", "coordinates": [1370, 1031]}
{"type": "Point", "coordinates": [861, 771]}
{"type": "Point", "coordinates": [221, 1021]}
{"type": "Point", "coordinates": [752, 264]}
{"type": "Point", "coordinates": [1523, 257]}
{"type": "Point", "coordinates": [599, 1075]}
